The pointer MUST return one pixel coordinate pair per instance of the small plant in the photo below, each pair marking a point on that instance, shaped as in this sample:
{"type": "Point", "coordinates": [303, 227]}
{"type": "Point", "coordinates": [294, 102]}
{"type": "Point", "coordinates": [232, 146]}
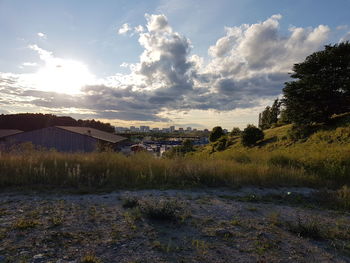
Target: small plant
{"type": "Point", "coordinates": [90, 259]}
{"type": "Point", "coordinates": [274, 218]}
{"type": "Point", "coordinates": [162, 210]}
{"type": "Point", "coordinates": [56, 220]}
{"type": "Point", "coordinates": [24, 223]}
{"type": "Point", "coordinates": [130, 202]}
{"type": "Point", "coordinates": [309, 228]}
{"type": "Point", "coordinates": [343, 195]}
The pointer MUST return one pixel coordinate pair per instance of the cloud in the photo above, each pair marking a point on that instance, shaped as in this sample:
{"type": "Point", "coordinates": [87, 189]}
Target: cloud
{"type": "Point", "coordinates": [41, 35]}
{"type": "Point", "coordinates": [125, 28]}
{"type": "Point", "coordinates": [29, 64]}
{"type": "Point", "coordinates": [345, 37]}
{"type": "Point", "coordinates": [246, 67]}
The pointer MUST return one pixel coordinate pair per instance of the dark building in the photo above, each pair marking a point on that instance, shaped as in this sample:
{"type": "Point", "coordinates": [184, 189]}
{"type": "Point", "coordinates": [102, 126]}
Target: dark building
{"type": "Point", "coordinates": [7, 132]}
{"type": "Point", "coordinates": [65, 139]}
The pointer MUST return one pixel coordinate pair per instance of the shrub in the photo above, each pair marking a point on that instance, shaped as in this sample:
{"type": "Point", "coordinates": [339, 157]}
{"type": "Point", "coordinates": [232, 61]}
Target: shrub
{"type": "Point", "coordinates": [251, 135]}
{"type": "Point", "coordinates": [215, 134]}
{"type": "Point", "coordinates": [130, 202]}
{"type": "Point", "coordinates": [221, 144]}
{"type": "Point", "coordinates": [162, 210]}
{"type": "Point", "coordinates": [309, 228]}
{"type": "Point", "coordinates": [236, 131]}
{"type": "Point", "coordinates": [300, 132]}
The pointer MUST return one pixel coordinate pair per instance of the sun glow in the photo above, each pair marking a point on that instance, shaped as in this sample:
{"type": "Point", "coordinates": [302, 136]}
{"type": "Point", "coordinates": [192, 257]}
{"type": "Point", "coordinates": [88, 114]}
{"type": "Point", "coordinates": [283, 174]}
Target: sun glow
{"type": "Point", "coordinates": [63, 76]}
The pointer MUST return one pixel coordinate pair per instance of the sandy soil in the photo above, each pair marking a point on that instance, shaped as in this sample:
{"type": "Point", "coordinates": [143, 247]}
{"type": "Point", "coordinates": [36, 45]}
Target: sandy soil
{"type": "Point", "coordinates": [220, 225]}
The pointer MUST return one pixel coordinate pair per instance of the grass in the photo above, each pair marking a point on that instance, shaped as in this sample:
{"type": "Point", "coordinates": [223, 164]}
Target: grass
{"type": "Point", "coordinates": [307, 228]}
{"type": "Point", "coordinates": [163, 210]}
{"type": "Point", "coordinates": [322, 160]}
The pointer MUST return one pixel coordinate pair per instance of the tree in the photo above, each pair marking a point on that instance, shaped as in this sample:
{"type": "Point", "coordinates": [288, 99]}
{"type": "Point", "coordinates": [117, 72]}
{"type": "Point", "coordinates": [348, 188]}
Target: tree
{"type": "Point", "coordinates": [215, 134]}
{"type": "Point", "coordinates": [270, 115]}
{"type": "Point", "coordinates": [322, 86]}
{"type": "Point", "coordinates": [251, 135]}
{"type": "Point", "coordinates": [236, 131]}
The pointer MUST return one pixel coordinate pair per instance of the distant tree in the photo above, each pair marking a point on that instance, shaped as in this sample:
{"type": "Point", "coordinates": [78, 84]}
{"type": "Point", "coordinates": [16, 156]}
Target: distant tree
{"type": "Point", "coordinates": [34, 121]}
{"type": "Point", "coordinates": [322, 86]}
{"type": "Point", "coordinates": [215, 134]}
{"type": "Point", "coordinates": [187, 145]}
{"type": "Point", "coordinates": [236, 131]}
{"type": "Point", "coordinates": [283, 118]}
{"type": "Point", "coordinates": [178, 151]}
{"type": "Point", "coordinates": [251, 135]}
{"type": "Point", "coordinates": [270, 115]}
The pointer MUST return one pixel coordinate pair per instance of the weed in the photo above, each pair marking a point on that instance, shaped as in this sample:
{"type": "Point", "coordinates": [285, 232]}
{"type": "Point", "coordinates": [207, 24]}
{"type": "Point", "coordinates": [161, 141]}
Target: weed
{"type": "Point", "coordinates": [308, 228]}
{"type": "Point", "coordinates": [130, 202]}
{"type": "Point", "coordinates": [25, 223]}
{"type": "Point", "coordinates": [163, 210]}
{"type": "Point", "coordinates": [90, 258]}
{"type": "Point", "coordinates": [274, 218]}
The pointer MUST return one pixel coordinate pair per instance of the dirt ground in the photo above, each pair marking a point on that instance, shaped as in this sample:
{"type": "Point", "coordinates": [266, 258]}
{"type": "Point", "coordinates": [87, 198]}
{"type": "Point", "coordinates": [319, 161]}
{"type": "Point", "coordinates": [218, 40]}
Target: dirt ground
{"type": "Point", "coordinates": [217, 225]}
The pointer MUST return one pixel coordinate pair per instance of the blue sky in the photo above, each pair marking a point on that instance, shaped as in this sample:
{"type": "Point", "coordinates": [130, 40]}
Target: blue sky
{"type": "Point", "coordinates": [180, 88]}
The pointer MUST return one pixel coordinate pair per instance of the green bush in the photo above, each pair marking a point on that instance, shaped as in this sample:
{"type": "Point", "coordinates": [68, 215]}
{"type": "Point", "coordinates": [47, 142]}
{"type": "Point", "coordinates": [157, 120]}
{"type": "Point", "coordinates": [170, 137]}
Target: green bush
{"type": "Point", "coordinates": [216, 134]}
{"type": "Point", "coordinates": [251, 135]}
{"type": "Point", "coordinates": [296, 133]}
{"type": "Point", "coordinates": [221, 144]}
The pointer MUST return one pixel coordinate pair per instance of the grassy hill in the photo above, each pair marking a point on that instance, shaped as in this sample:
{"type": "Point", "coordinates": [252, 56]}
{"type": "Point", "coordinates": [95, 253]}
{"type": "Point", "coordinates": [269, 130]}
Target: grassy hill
{"type": "Point", "coordinates": [323, 157]}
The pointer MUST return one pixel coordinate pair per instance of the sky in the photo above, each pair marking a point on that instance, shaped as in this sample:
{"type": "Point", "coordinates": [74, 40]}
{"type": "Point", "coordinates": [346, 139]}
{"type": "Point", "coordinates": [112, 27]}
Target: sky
{"type": "Point", "coordinates": [195, 63]}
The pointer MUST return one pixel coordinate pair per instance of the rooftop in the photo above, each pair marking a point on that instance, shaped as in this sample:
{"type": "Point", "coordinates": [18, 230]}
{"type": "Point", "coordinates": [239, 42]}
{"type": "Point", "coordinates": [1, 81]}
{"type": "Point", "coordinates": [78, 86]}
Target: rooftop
{"type": "Point", "coordinates": [97, 134]}
{"type": "Point", "coordinates": [8, 132]}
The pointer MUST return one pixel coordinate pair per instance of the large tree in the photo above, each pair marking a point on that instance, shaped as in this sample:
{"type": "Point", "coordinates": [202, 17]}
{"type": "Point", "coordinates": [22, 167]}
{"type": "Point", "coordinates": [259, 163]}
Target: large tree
{"type": "Point", "coordinates": [322, 86]}
{"type": "Point", "coordinates": [269, 116]}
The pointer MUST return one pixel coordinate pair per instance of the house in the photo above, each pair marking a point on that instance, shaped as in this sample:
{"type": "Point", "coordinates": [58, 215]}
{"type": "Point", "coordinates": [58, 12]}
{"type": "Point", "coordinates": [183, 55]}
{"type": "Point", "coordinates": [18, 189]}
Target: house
{"type": "Point", "coordinates": [8, 132]}
{"type": "Point", "coordinates": [66, 139]}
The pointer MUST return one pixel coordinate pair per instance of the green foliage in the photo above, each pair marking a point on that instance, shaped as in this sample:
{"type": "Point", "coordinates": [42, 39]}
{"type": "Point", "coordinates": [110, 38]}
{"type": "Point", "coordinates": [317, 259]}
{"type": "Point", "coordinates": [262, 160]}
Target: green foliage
{"type": "Point", "coordinates": [251, 135]}
{"type": "Point", "coordinates": [220, 144]}
{"type": "Point", "coordinates": [300, 132]}
{"type": "Point", "coordinates": [322, 86]}
{"type": "Point", "coordinates": [270, 115]}
{"type": "Point", "coordinates": [236, 131]}
{"type": "Point", "coordinates": [180, 151]}
{"type": "Point", "coordinates": [215, 134]}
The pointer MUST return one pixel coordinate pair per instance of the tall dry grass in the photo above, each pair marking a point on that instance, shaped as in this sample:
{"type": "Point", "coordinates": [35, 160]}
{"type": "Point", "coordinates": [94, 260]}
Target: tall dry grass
{"type": "Point", "coordinates": [112, 170]}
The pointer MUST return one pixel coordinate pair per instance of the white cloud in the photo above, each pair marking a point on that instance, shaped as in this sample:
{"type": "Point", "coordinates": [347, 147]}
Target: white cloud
{"type": "Point", "coordinates": [29, 64]}
{"type": "Point", "coordinates": [345, 37]}
{"type": "Point", "coordinates": [41, 35]}
{"type": "Point", "coordinates": [125, 28]}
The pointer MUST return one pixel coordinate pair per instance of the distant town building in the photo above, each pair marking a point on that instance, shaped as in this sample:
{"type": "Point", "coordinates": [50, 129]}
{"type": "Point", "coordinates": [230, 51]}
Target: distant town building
{"type": "Point", "coordinates": [181, 129]}
{"type": "Point", "coordinates": [155, 129]}
{"type": "Point", "coordinates": [165, 130]}
{"type": "Point", "coordinates": [144, 128]}
{"type": "Point", "coordinates": [189, 129]}
{"type": "Point", "coordinates": [172, 128]}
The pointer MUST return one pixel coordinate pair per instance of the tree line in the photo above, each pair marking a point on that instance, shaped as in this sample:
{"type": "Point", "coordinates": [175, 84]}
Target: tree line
{"type": "Point", "coordinates": [34, 121]}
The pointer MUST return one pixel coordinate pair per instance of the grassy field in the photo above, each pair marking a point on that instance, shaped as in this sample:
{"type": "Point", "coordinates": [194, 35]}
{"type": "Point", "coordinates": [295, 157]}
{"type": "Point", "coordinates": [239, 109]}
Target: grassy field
{"type": "Point", "coordinates": [322, 160]}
